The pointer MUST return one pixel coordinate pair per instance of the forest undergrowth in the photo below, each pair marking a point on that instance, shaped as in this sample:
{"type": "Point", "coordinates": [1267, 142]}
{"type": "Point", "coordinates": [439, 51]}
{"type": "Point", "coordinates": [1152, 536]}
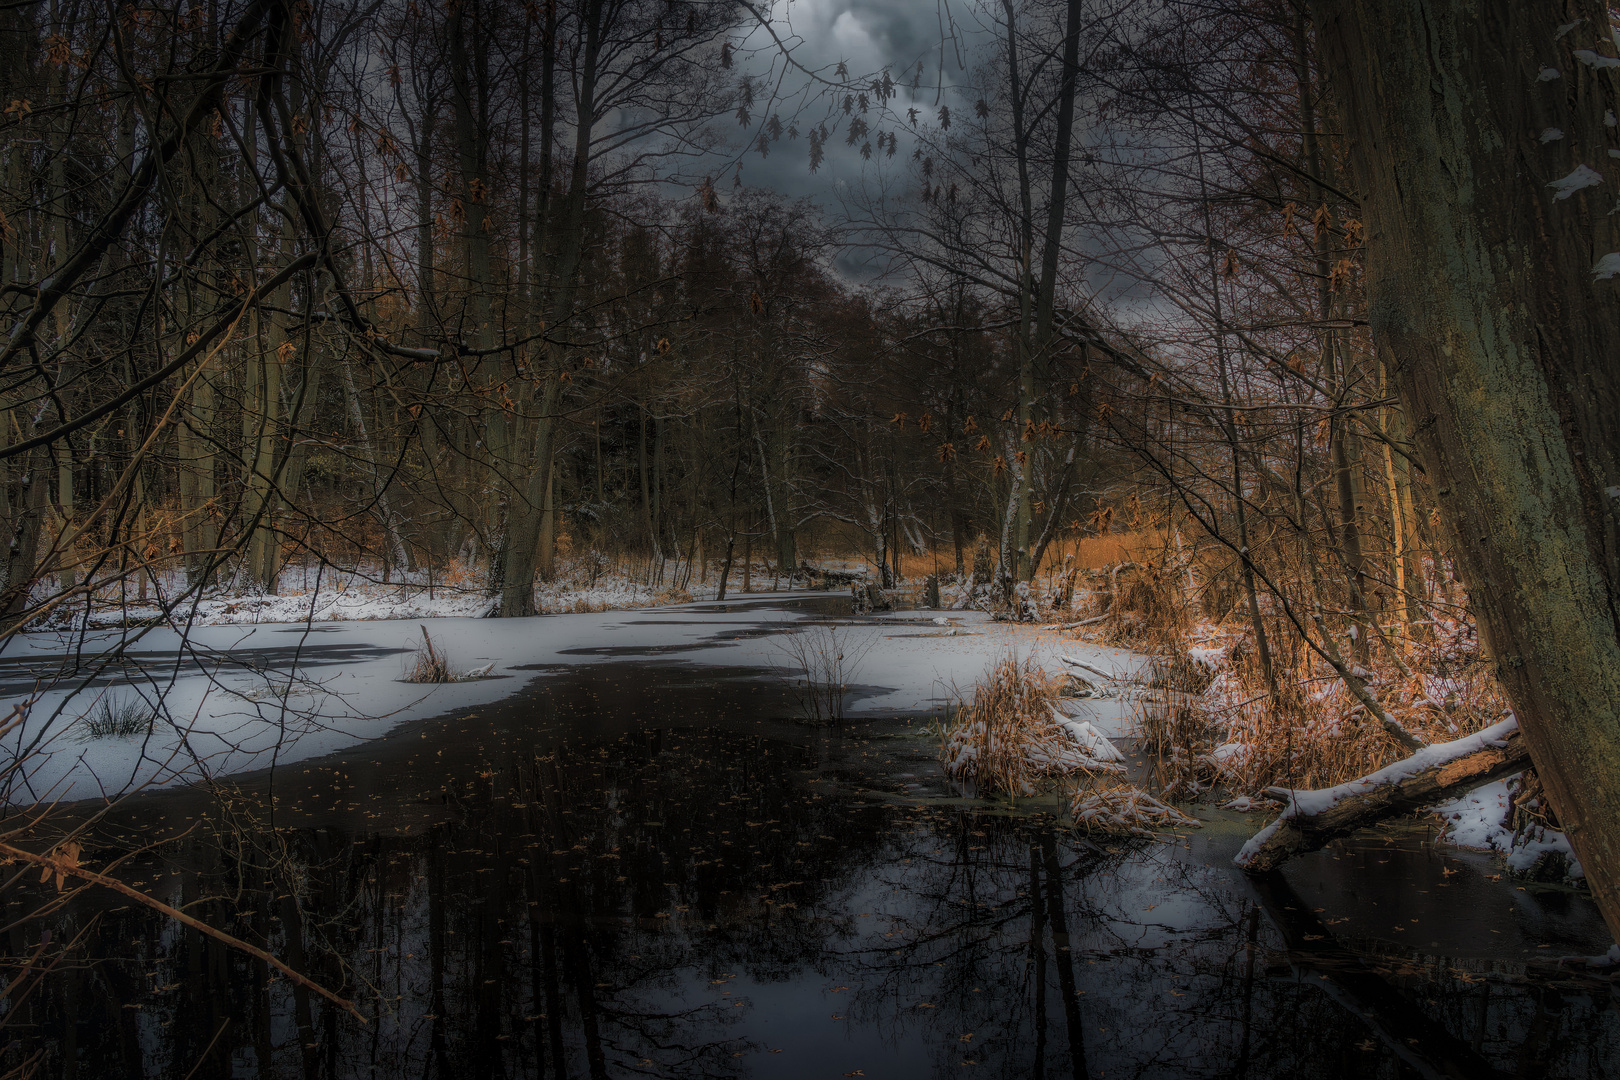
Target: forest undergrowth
{"type": "Point", "coordinates": [1218, 731]}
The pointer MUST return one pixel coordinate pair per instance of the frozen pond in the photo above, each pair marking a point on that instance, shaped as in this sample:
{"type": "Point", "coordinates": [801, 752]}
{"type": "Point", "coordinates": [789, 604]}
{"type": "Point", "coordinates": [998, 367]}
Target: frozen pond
{"type": "Point", "coordinates": [635, 859]}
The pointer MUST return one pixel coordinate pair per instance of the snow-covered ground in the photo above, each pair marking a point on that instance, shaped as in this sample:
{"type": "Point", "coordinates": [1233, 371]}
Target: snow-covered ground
{"type": "Point", "coordinates": [325, 594]}
{"type": "Point", "coordinates": [1480, 820]}
{"type": "Point", "coordinates": [233, 698]}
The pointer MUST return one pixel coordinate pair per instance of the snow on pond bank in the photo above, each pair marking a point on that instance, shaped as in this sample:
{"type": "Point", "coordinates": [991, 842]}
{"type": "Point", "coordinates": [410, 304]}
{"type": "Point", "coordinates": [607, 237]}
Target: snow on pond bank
{"type": "Point", "coordinates": [232, 698]}
{"type": "Point", "coordinates": [1481, 819]}
{"type": "Point", "coordinates": [320, 594]}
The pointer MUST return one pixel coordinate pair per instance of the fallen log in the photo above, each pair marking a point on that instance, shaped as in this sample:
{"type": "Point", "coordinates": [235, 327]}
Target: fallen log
{"type": "Point", "coordinates": [1433, 774]}
{"type": "Point", "coordinates": [1072, 662]}
{"type": "Point", "coordinates": [1082, 622]}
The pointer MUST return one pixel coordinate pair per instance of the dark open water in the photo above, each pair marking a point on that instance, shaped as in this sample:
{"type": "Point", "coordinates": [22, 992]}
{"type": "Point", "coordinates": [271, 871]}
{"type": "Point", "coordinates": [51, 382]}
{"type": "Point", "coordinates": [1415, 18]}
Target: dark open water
{"type": "Point", "coordinates": [648, 869]}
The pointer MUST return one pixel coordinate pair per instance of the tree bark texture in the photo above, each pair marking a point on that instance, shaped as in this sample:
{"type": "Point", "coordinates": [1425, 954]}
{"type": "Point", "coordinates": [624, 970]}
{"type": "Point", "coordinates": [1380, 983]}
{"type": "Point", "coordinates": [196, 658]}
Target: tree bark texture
{"type": "Point", "coordinates": [1480, 147]}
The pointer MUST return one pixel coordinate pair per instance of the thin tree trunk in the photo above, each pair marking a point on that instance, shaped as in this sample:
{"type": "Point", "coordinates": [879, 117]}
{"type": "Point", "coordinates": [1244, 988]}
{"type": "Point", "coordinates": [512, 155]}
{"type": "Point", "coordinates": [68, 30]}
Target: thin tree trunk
{"type": "Point", "coordinates": [546, 556]}
{"type": "Point", "coordinates": [1336, 363]}
{"type": "Point", "coordinates": [1397, 522]}
{"type": "Point", "coordinates": [1228, 423]}
{"type": "Point", "coordinates": [1038, 294]}
{"type": "Point", "coordinates": [379, 488]}
{"type": "Point", "coordinates": [517, 578]}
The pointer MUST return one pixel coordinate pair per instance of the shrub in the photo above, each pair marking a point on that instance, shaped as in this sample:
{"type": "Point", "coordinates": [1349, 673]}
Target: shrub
{"type": "Point", "coordinates": [822, 660]}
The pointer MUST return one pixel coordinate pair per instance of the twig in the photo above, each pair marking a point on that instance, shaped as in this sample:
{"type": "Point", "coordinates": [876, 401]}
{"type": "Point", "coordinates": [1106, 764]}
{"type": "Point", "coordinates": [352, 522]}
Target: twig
{"type": "Point", "coordinates": [223, 1024]}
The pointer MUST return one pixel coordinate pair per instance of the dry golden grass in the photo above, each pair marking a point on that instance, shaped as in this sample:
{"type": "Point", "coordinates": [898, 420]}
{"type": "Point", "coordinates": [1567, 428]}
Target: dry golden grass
{"type": "Point", "coordinates": [1312, 733]}
{"type": "Point", "coordinates": [1149, 610]}
{"type": "Point", "coordinates": [1111, 549]}
{"type": "Point", "coordinates": [1089, 553]}
{"type": "Point", "coordinates": [1114, 806]}
{"type": "Point", "coordinates": [1005, 739]}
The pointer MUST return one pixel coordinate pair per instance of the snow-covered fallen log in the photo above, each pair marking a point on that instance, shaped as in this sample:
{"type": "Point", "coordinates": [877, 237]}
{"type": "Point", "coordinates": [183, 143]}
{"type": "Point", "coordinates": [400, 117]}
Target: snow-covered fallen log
{"type": "Point", "coordinates": [1104, 675]}
{"type": "Point", "coordinates": [1433, 774]}
{"type": "Point", "coordinates": [1083, 622]}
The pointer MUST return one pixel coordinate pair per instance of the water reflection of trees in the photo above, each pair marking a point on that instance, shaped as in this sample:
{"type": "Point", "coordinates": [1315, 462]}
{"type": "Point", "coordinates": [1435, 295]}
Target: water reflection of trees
{"type": "Point", "coordinates": [588, 909]}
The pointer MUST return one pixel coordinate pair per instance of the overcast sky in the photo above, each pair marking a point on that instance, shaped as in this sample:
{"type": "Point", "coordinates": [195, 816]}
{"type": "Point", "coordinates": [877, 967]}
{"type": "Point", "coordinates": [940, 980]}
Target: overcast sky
{"type": "Point", "coordinates": [868, 36]}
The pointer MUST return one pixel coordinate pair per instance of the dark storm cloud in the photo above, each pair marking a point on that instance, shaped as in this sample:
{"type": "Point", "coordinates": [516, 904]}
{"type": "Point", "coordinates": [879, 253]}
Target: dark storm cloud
{"type": "Point", "coordinates": [868, 36]}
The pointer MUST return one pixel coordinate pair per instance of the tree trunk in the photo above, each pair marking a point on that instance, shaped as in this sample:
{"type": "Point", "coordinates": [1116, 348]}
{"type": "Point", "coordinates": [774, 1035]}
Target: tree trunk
{"type": "Point", "coordinates": [649, 512]}
{"type": "Point", "coordinates": [196, 452]}
{"type": "Point", "coordinates": [394, 543]}
{"type": "Point", "coordinates": [1038, 294]}
{"type": "Point", "coordinates": [1414, 589]}
{"type": "Point", "coordinates": [1491, 259]}
{"type": "Point", "coordinates": [65, 376]}
{"type": "Point", "coordinates": [517, 575]}
{"type": "Point", "coordinates": [490, 457]}
{"type": "Point", "coordinates": [546, 553]}
{"type": "Point", "coordinates": [1347, 488]}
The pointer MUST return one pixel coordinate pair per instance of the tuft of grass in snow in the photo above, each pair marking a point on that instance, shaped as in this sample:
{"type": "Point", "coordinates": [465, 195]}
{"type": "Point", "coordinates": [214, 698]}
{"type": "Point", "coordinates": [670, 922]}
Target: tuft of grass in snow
{"type": "Point", "coordinates": [116, 718]}
{"type": "Point", "coordinates": [431, 665]}
{"type": "Point", "coordinates": [1011, 736]}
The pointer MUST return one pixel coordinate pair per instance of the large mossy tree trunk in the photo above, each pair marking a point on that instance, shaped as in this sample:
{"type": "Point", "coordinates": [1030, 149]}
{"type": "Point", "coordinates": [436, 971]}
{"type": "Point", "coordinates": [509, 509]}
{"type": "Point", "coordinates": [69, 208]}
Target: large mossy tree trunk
{"type": "Point", "coordinates": [1480, 148]}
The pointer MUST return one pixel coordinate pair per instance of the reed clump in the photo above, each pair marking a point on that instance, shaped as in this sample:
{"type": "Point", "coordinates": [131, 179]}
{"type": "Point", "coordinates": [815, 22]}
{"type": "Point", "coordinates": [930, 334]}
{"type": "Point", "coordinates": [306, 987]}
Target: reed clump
{"type": "Point", "coordinates": [432, 665]}
{"type": "Point", "coordinates": [1006, 739]}
{"type": "Point", "coordinates": [1212, 716]}
{"type": "Point", "coordinates": [117, 718]}
{"type": "Point", "coordinates": [1147, 608]}
{"type": "Point", "coordinates": [1312, 732]}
